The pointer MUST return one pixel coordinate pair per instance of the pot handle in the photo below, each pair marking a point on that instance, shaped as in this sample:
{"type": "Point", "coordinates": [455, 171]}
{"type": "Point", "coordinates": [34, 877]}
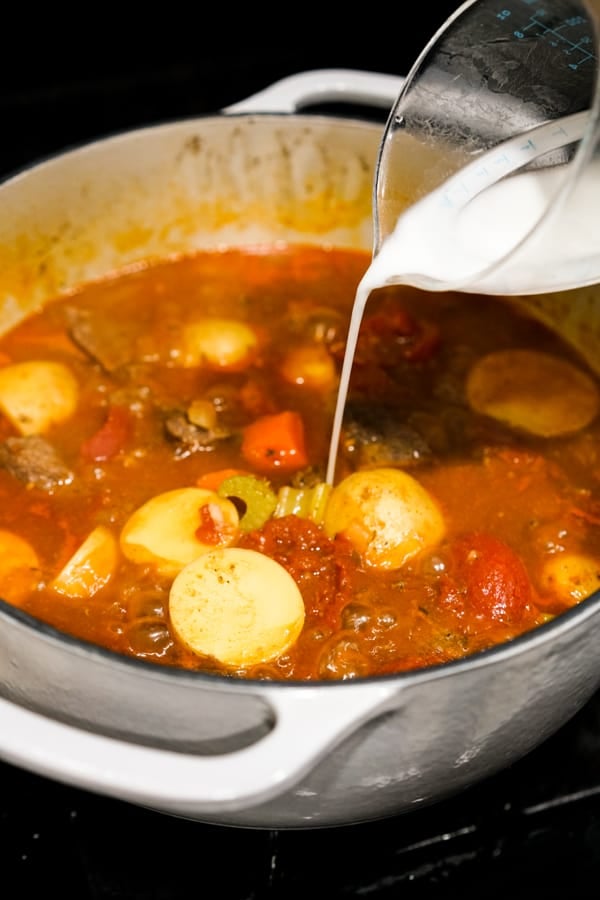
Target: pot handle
{"type": "Point", "coordinates": [307, 723]}
{"type": "Point", "coordinates": [323, 86]}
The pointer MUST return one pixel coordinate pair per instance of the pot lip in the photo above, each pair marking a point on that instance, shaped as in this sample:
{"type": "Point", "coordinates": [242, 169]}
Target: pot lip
{"type": "Point", "coordinates": [562, 624]}
{"type": "Point", "coordinates": [163, 125]}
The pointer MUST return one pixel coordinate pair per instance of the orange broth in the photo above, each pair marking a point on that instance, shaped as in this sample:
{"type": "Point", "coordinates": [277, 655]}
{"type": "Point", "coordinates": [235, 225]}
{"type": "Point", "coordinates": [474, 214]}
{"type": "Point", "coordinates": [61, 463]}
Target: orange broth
{"type": "Point", "coordinates": [511, 501]}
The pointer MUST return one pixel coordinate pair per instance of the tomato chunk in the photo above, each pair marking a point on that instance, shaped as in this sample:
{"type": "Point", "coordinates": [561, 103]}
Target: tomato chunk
{"type": "Point", "coordinates": [487, 583]}
{"type": "Point", "coordinates": [111, 437]}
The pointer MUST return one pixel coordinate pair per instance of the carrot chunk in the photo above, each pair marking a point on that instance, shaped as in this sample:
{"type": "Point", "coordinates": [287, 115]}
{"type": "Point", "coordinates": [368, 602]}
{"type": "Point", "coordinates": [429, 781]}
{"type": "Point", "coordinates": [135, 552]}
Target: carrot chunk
{"type": "Point", "coordinates": [275, 442]}
{"type": "Point", "coordinates": [212, 481]}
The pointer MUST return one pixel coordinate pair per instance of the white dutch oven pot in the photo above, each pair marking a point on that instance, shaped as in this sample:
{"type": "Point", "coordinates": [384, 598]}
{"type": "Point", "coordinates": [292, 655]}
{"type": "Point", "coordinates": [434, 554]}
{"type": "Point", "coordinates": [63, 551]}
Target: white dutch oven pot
{"type": "Point", "coordinates": [256, 754]}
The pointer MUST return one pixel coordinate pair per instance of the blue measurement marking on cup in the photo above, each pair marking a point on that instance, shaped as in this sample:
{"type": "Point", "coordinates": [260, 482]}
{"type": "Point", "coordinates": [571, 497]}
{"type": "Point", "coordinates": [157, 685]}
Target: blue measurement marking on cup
{"type": "Point", "coordinates": [508, 157]}
{"type": "Point", "coordinates": [572, 36]}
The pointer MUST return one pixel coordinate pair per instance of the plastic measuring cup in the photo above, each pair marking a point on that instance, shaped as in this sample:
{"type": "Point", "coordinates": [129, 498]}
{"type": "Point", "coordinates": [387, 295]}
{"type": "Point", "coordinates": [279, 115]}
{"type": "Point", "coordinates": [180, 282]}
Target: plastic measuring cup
{"type": "Point", "coordinates": [488, 176]}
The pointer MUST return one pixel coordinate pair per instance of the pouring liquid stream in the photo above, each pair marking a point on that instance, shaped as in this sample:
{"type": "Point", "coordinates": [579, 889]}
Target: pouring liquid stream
{"type": "Point", "coordinates": [459, 236]}
{"type": "Point", "coordinates": [406, 257]}
{"type": "Point", "coordinates": [383, 270]}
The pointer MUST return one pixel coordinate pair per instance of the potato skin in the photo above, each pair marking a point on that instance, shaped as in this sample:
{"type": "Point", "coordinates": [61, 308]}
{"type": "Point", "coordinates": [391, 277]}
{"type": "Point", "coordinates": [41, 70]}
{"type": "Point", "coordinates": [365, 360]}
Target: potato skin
{"type": "Point", "coordinates": [571, 577]}
{"type": "Point", "coordinates": [386, 514]}
{"type": "Point", "coordinates": [37, 394]}
{"type": "Point", "coordinates": [534, 392]}
{"type": "Point", "coordinates": [219, 344]}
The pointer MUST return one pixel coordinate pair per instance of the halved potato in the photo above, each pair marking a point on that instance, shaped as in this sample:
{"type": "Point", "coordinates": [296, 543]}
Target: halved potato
{"type": "Point", "coordinates": [91, 567]}
{"type": "Point", "coordinates": [218, 344]}
{"type": "Point", "coordinates": [37, 394]}
{"type": "Point", "coordinates": [19, 565]}
{"type": "Point", "coordinates": [236, 605]}
{"type": "Point", "coordinates": [533, 391]}
{"type": "Point", "coordinates": [174, 528]}
{"type": "Point", "coordinates": [571, 576]}
{"type": "Point", "coordinates": [386, 514]}
{"type": "Point", "coordinates": [311, 366]}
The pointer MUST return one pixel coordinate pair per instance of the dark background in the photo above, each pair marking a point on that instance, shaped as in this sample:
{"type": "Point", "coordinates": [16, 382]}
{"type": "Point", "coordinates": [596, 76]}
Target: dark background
{"type": "Point", "coordinates": [531, 831]}
{"type": "Point", "coordinates": [68, 78]}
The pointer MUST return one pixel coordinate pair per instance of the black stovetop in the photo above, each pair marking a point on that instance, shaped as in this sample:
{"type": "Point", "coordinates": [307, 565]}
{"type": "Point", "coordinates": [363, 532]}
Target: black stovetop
{"type": "Point", "coordinates": [532, 830]}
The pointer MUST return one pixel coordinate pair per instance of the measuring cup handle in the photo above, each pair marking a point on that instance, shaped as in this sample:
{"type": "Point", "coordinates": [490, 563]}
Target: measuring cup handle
{"type": "Point", "coordinates": [323, 86]}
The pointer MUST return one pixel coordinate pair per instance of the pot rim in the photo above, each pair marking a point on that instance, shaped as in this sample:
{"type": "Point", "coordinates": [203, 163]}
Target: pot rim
{"type": "Point", "coordinates": [105, 138]}
{"type": "Point", "coordinates": [564, 622]}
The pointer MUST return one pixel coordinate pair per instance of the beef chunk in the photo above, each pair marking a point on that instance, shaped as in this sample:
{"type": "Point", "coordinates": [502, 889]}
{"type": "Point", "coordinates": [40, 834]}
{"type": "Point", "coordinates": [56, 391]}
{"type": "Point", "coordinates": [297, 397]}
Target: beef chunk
{"type": "Point", "coordinates": [191, 437]}
{"type": "Point", "coordinates": [34, 460]}
{"type": "Point", "coordinates": [376, 436]}
{"type": "Point", "coordinates": [104, 339]}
